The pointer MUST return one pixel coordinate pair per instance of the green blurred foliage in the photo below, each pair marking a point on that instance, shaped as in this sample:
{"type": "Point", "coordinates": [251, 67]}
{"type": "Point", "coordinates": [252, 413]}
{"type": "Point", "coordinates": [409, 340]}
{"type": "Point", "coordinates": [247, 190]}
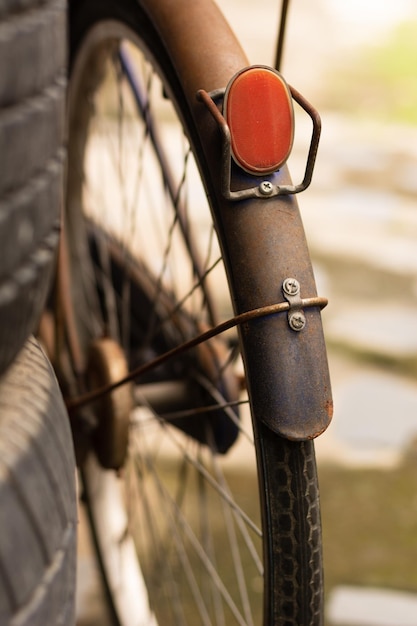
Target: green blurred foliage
{"type": "Point", "coordinates": [379, 81]}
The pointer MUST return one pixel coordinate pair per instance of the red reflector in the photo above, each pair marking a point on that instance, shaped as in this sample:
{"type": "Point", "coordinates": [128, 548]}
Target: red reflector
{"type": "Point", "coordinates": [259, 112]}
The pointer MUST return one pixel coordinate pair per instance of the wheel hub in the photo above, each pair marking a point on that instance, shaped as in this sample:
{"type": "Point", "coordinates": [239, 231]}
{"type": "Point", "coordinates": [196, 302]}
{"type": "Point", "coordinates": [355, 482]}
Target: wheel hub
{"type": "Point", "coordinates": [107, 365]}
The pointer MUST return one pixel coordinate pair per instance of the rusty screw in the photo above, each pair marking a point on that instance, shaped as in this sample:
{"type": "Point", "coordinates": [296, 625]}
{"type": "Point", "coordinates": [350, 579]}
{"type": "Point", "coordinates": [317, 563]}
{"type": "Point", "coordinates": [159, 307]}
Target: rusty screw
{"type": "Point", "coordinates": [291, 286]}
{"type": "Point", "coordinates": [297, 320]}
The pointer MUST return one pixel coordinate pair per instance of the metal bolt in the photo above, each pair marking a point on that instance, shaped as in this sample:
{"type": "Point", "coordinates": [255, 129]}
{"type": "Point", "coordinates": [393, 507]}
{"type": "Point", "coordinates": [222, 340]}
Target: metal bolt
{"type": "Point", "coordinates": [266, 188]}
{"type": "Point", "coordinates": [291, 286]}
{"type": "Point", "coordinates": [297, 320]}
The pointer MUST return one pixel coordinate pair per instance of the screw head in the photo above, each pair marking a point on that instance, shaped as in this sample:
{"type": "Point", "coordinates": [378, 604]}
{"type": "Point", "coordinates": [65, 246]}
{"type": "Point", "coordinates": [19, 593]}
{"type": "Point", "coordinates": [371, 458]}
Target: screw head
{"type": "Point", "coordinates": [297, 320]}
{"type": "Point", "coordinates": [291, 286]}
{"type": "Point", "coordinates": [266, 188]}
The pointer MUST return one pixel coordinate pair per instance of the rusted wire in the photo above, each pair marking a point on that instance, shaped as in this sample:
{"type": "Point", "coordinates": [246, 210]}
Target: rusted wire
{"type": "Point", "coordinates": [91, 396]}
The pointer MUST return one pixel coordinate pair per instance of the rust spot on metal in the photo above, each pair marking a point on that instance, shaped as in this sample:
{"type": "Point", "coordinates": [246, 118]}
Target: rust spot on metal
{"type": "Point", "coordinates": [329, 408]}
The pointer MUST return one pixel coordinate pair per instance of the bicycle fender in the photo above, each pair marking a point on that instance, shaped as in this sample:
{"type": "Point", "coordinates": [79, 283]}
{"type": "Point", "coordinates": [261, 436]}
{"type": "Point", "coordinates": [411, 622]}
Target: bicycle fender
{"type": "Point", "coordinates": [262, 239]}
{"type": "Point", "coordinates": [288, 369]}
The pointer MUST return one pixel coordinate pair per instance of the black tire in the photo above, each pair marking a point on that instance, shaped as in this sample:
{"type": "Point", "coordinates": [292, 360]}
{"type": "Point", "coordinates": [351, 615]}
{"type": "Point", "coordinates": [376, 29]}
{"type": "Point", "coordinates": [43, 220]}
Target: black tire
{"type": "Point", "coordinates": [292, 590]}
{"type": "Point", "coordinates": [38, 515]}
{"type": "Point", "coordinates": [33, 51]}
{"type": "Point", "coordinates": [33, 48]}
{"type": "Point", "coordinates": [8, 7]}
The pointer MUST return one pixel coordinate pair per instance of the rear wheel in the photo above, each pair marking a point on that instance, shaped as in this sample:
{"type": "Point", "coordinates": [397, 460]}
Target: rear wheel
{"type": "Point", "coordinates": [178, 527]}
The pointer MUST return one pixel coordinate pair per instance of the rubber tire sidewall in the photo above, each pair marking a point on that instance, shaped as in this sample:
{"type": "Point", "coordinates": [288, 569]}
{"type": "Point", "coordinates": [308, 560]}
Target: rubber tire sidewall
{"type": "Point", "coordinates": [33, 69]}
{"type": "Point", "coordinates": [38, 507]}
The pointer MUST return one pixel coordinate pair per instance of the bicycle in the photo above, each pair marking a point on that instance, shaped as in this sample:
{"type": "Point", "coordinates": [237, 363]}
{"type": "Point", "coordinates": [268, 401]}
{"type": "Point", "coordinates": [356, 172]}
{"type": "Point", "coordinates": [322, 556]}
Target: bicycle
{"type": "Point", "coordinates": [146, 363]}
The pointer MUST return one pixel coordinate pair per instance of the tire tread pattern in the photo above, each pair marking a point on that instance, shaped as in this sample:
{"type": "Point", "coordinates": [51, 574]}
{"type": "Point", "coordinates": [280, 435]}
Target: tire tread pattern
{"type": "Point", "coordinates": [32, 133]}
{"type": "Point", "coordinates": [295, 542]}
{"type": "Point", "coordinates": [37, 496]}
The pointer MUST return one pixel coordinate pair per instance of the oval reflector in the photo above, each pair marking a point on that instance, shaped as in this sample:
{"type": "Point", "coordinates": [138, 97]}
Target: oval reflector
{"type": "Point", "coordinates": [259, 112]}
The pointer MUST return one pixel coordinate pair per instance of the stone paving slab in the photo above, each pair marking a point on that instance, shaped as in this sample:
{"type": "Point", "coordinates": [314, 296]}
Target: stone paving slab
{"type": "Point", "coordinates": [375, 415]}
{"type": "Point", "coordinates": [384, 330]}
{"type": "Point", "coordinates": [362, 200]}
{"type": "Point", "coordinates": [356, 606]}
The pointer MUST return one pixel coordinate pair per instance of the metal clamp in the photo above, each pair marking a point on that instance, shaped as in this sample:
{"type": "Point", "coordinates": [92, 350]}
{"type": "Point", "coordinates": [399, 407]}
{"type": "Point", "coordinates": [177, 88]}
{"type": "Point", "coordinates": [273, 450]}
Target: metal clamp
{"type": "Point", "coordinates": [266, 189]}
{"type": "Point", "coordinates": [291, 291]}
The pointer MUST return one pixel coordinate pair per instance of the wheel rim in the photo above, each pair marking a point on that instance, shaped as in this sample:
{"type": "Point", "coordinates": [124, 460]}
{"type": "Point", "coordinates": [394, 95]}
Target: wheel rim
{"type": "Point", "coordinates": [174, 305]}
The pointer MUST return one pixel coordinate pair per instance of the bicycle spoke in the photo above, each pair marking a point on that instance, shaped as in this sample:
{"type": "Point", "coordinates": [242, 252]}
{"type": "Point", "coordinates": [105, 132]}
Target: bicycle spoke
{"type": "Point", "coordinates": [201, 470]}
{"type": "Point", "coordinates": [171, 541]}
{"type": "Point", "coordinates": [179, 520]}
{"type": "Point", "coordinates": [237, 561]}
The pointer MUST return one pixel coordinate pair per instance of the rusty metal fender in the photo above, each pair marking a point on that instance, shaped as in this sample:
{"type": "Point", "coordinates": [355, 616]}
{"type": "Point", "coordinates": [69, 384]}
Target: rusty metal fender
{"type": "Point", "coordinates": [262, 239]}
{"type": "Point", "coordinates": [288, 371]}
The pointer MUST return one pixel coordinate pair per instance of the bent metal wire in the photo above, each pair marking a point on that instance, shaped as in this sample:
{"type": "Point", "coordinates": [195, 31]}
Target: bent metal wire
{"type": "Point", "coordinates": [89, 397]}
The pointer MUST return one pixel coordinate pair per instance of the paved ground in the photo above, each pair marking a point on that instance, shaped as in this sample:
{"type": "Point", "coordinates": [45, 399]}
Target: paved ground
{"type": "Point", "coordinates": [362, 233]}
{"type": "Point", "coordinates": [353, 606]}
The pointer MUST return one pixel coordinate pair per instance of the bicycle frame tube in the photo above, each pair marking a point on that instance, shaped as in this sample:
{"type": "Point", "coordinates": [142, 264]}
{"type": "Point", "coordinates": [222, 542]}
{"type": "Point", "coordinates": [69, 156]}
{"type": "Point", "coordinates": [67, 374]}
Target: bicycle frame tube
{"type": "Point", "coordinates": [263, 240]}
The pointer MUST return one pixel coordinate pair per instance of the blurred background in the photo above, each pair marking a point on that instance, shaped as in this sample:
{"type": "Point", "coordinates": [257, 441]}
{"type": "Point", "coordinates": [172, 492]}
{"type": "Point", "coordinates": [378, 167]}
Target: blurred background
{"type": "Point", "coordinates": [356, 62]}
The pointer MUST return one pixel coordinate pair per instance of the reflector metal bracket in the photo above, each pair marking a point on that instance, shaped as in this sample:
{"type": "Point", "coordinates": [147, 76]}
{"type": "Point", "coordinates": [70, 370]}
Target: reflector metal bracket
{"type": "Point", "coordinates": [266, 188]}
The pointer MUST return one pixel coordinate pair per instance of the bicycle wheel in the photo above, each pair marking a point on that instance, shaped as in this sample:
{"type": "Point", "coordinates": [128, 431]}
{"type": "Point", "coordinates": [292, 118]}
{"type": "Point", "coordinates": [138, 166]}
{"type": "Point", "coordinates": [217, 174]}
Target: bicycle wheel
{"type": "Point", "coordinates": [178, 528]}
